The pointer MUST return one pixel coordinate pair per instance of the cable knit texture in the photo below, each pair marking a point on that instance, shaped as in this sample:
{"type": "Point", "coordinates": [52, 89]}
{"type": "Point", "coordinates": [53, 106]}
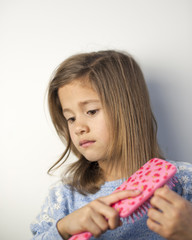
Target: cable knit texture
{"type": "Point", "coordinates": [61, 201]}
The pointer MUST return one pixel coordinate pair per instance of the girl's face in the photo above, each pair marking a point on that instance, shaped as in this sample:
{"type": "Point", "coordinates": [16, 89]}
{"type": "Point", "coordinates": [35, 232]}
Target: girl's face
{"type": "Point", "coordinates": [86, 119]}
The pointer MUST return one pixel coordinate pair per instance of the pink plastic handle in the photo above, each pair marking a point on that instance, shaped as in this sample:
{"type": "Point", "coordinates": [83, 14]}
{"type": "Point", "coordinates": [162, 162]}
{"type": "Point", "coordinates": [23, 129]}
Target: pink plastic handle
{"type": "Point", "coordinates": [81, 236]}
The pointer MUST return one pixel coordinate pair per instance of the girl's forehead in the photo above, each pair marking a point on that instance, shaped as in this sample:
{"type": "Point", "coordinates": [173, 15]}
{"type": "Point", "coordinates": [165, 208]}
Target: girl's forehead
{"type": "Point", "coordinates": [77, 90]}
{"type": "Point", "coordinates": [78, 85]}
{"type": "Point", "coordinates": [81, 82]}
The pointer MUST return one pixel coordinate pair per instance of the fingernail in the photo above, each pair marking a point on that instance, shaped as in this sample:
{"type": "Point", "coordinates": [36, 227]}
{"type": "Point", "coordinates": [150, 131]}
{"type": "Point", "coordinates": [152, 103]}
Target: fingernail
{"type": "Point", "coordinates": [137, 191]}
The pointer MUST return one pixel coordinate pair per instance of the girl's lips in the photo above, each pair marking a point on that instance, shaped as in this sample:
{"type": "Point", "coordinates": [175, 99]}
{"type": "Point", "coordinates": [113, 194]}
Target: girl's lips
{"type": "Point", "coordinates": [86, 143]}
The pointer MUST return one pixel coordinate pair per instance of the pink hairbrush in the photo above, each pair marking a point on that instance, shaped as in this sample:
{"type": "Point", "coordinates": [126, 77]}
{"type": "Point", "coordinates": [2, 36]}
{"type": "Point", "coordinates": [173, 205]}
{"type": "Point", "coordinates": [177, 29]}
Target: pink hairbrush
{"type": "Point", "coordinates": [152, 175]}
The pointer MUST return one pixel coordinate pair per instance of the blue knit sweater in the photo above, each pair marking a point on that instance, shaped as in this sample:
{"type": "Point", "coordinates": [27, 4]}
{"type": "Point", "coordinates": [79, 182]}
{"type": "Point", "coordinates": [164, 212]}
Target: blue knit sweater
{"type": "Point", "coordinates": [61, 201]}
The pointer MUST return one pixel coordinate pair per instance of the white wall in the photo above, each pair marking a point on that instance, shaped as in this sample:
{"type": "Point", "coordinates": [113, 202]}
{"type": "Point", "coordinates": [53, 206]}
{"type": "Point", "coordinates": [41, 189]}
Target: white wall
{"type": "Point", "coordinates": [35, 37]}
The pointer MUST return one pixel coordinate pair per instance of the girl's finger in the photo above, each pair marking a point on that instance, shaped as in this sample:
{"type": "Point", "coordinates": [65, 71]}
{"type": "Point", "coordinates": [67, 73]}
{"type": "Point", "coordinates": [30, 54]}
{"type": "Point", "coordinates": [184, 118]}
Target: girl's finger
{"type": "Point", "coordinates": [100, 221]}
{"type": "Point", "coordinates": [169, 195]}
{"type": "Point", "coordinates": [161, 204]}
{"type": "Point", "coordinates": [106, 212]}
{"type": "Point", "coordinates": [154, 226]}
{"type": "Point", "coordinates": [115, 197]}
{"type": "Point", "coordinates": [94, 228]}
{"type": "Point", "coordinates": [155, 215]}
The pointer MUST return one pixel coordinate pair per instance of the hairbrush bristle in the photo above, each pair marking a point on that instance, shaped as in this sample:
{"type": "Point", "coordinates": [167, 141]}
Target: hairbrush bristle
{"type": "Point", "coordinates": [171, 182]}
{"type": "Point", "coordinates": [137, 215]}
{"type": "Point", "coordinates": [143, 209]}
{"type": "Point", "coordinates": [139, 212]}
{"type": "Point", "coordinates": [132, 218]}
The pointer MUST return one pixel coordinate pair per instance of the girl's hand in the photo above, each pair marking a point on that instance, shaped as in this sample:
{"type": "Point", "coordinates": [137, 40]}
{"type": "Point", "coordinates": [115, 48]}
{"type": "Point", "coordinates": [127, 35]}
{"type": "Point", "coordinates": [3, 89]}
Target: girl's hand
{"type": "Point", "coordinates": [95, 217]}
{"type": "Point", "coordinates": [174, 220]}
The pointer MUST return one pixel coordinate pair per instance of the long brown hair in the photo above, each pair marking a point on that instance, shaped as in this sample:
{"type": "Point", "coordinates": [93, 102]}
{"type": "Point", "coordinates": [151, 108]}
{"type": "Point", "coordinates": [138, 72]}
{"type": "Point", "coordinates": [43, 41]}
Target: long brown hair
{"type": "Point", "coordinates": [119, 82]}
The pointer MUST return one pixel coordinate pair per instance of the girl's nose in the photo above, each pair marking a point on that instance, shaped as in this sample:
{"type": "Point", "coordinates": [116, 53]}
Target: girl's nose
{"type": "Point", "coordinates": [81, 128]}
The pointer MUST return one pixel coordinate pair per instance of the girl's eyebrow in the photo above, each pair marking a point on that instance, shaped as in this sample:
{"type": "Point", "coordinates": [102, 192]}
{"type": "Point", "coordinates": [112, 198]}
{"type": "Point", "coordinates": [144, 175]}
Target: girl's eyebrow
{"type": "Point", "coordinates": [89, 101]}
{"type": "Point", "coordinates": [83, 103]}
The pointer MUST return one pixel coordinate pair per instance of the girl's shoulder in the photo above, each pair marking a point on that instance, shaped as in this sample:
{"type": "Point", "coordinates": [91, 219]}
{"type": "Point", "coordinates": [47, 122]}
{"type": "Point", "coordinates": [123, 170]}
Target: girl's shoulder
{"type": "Point", "coordinates": [182, 167]}
{"type": "Point", "coordinates": [184, 176]}
{"type": "Point", "coordinates": [59, 194]}
{"type": "Point", "coordinates": [59, 188]}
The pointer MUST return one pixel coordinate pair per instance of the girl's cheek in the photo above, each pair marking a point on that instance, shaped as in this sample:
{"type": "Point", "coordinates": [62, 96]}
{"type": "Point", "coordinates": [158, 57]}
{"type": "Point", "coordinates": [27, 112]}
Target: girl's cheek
{"type": "Point", "coordinates": [72, 137]}
{"type": "Point", "coordinates": [70, 134]}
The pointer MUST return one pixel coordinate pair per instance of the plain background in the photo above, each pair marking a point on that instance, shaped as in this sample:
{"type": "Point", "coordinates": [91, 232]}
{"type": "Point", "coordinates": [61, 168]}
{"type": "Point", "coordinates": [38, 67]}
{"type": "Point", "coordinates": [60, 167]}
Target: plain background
{"type": "Point", "coordinates": [35, 36]}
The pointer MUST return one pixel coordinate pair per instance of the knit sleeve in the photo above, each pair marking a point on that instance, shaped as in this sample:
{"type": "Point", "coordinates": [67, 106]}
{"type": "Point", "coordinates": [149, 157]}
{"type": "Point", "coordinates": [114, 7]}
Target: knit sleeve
{"type": "Point", "coordinates": [184, 175]}
{"type": "Point", "coordinates": [53, 209]}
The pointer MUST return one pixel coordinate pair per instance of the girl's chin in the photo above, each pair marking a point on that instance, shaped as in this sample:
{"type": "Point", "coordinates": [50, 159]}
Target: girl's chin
{"type": "Point", "coordinates": [92, 159]}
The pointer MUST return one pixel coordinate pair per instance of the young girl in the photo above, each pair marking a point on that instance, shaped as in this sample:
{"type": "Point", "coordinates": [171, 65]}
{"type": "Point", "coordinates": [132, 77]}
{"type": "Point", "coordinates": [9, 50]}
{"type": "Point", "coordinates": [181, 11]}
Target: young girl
{"type": "Point", "coordinates": [100, 107]}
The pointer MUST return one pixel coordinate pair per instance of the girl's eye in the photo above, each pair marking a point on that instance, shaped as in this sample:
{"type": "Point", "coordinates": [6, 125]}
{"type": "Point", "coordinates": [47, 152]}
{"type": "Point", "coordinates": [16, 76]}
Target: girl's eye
{"type": "Point", "coordinates": [92, 112]}
{"type": "Point", "coordinates": [71, 120]}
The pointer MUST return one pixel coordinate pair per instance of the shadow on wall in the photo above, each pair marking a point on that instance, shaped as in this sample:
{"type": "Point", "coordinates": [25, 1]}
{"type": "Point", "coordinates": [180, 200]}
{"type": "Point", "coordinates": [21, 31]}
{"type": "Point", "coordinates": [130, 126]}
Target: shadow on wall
{"type": "Point", "coordinates": [165, 108]}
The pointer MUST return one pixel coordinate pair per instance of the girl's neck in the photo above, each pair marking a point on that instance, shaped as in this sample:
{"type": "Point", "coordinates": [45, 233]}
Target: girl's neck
{"type": "Point", "coordinates": [110, 178]}
{"type": "Point", "coordinates": [112, 175]}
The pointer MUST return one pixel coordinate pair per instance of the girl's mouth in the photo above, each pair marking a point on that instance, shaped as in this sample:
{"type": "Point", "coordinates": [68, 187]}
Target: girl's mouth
{"type": "Point", "coordinates": [86, 143]}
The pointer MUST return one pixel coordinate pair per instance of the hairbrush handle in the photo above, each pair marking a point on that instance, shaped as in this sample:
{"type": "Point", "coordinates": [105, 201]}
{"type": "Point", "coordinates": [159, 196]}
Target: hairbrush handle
{"type": "Point", "coordinates": [81, 236]}
{"type": "Point", "coordinates": [151, 176]}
